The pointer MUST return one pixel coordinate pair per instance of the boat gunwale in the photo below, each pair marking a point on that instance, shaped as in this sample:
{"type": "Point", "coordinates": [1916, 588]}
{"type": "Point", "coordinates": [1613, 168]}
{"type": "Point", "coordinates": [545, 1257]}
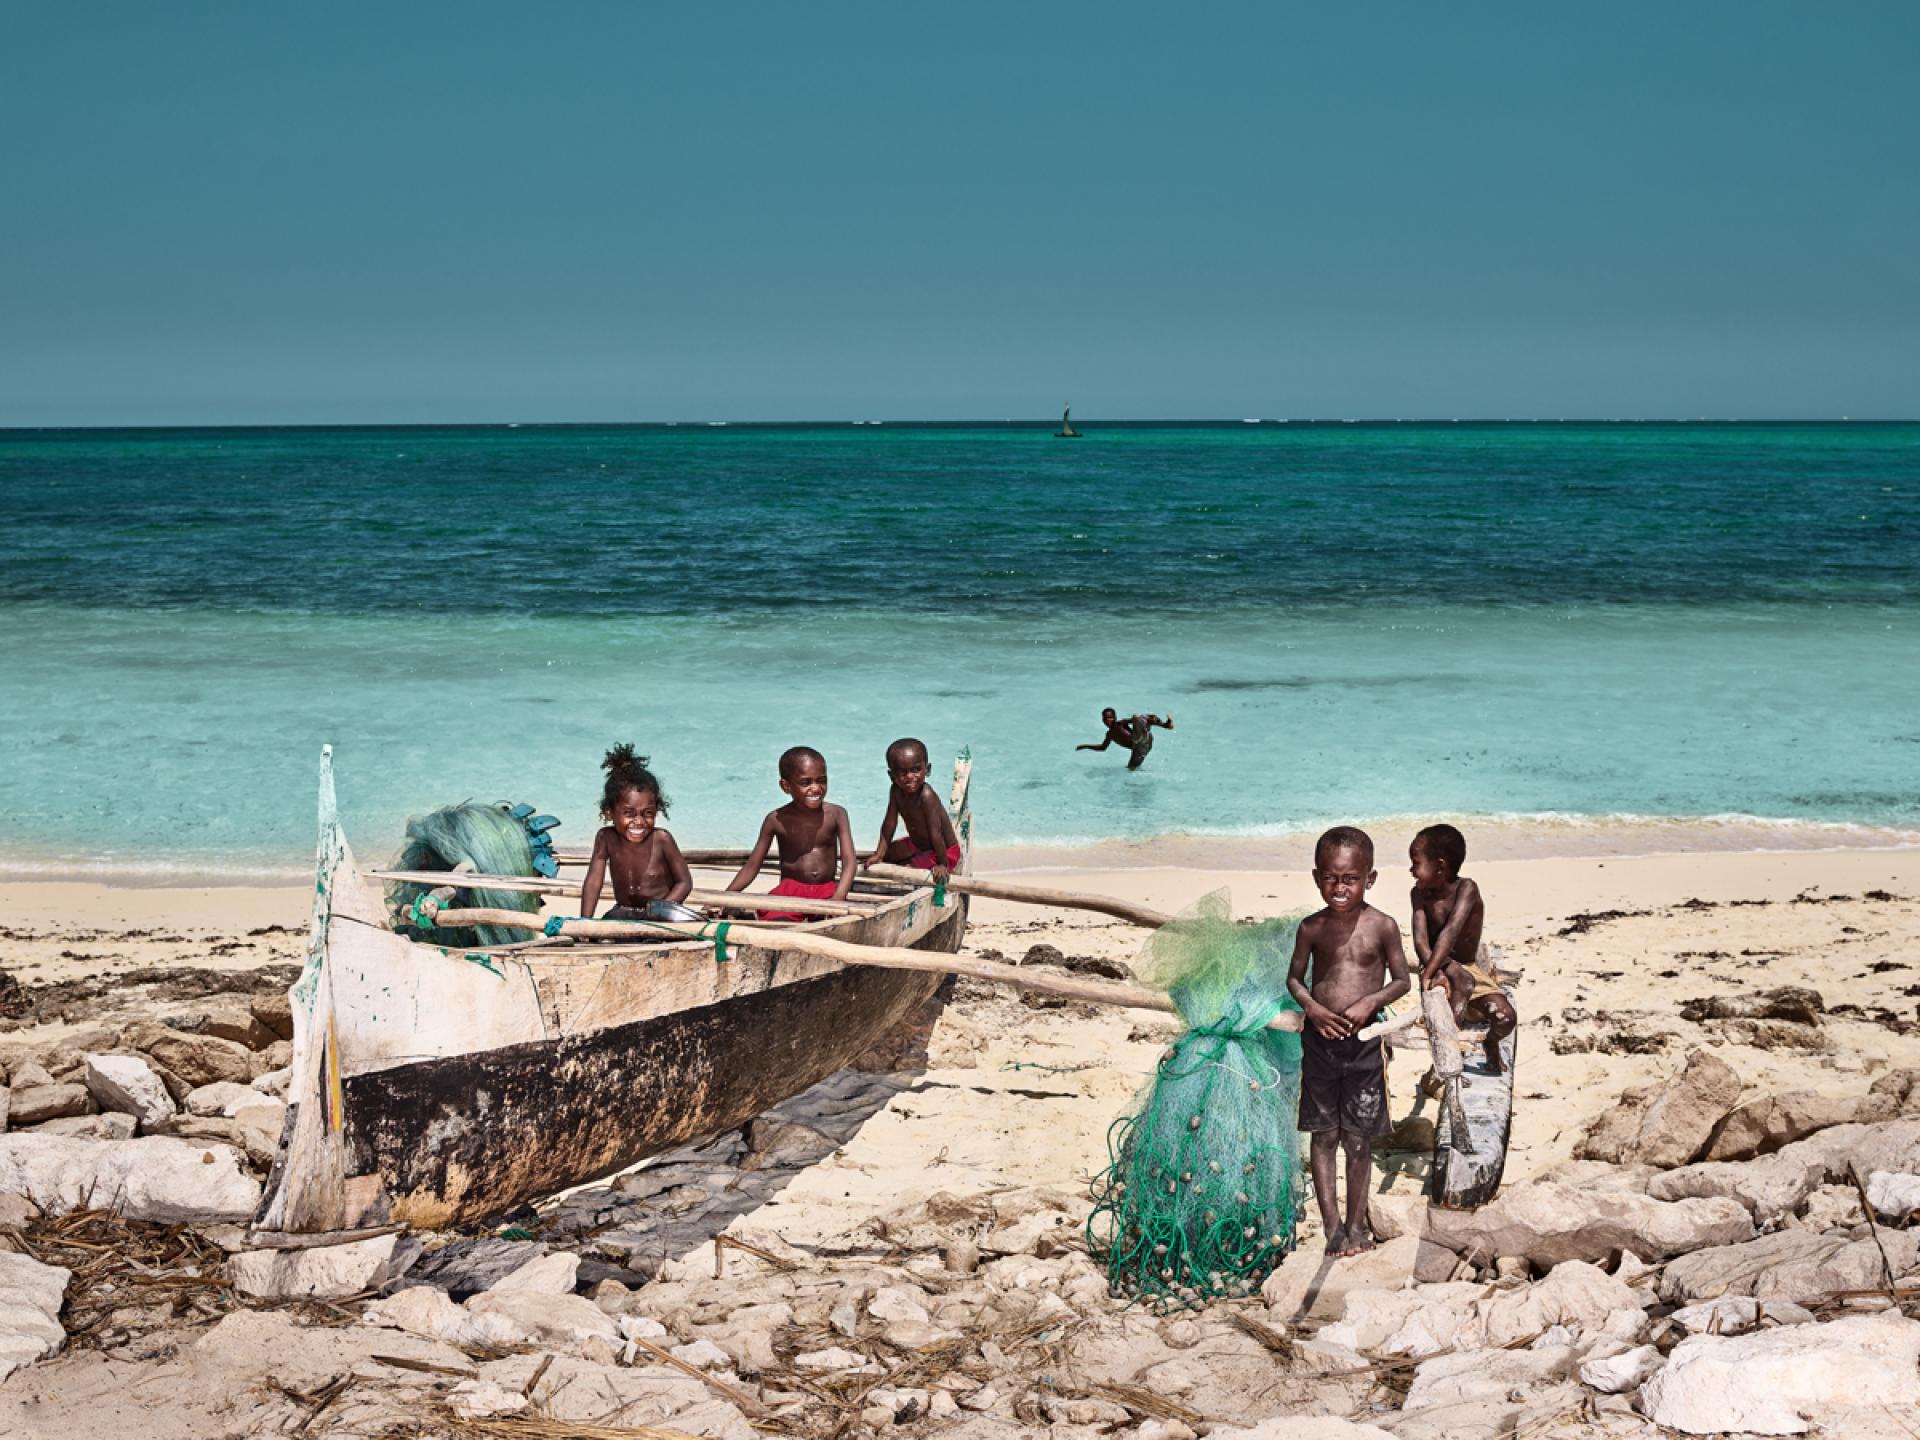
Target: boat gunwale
{"type": "Point", "coordinates": [556, 947]}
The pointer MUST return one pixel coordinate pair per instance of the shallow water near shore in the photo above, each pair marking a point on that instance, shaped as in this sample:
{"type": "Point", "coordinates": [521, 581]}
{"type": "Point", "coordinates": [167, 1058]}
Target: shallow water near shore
{"type": "Point", "coordinates": [1637, 637]}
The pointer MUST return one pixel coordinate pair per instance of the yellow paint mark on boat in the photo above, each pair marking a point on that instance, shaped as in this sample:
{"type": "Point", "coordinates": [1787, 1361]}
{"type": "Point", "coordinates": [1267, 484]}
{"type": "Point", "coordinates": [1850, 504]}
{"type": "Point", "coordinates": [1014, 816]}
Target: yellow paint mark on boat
{"type": "Point", "coordinates": [336, 1096]}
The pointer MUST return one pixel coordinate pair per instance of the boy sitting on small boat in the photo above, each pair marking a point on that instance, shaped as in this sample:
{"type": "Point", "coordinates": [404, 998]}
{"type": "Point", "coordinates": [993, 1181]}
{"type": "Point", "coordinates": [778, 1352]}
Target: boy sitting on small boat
{"type": "Point", "coordinates": [930, 842]}
{"type": "Point", "coordinates": [817, 858]}
{"type": "Point", "coordinates": [1358, 965]}
{"type": "Point", "coordinates": [1448, 916]}
{"type": "Point", "coordinates": [646, 865]}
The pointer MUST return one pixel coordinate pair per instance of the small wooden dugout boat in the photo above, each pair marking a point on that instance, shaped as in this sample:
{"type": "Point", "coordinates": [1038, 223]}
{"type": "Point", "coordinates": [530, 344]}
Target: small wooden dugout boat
{"type": "Point", "coordinates": [437, 1085]}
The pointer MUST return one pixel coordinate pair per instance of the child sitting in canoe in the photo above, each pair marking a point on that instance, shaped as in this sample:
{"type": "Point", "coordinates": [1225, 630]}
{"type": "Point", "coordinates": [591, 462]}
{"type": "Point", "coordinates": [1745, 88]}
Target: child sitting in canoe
{"type": "Point", "coordinates": [646, 865]}
{"type": "Point", "coordinates": [1358, 965]}
{"type": "Point", "coordinates": [930, 843]}
{"type": "Point", "coordinates": [1448, 916]}
{"type": "Point", "coordinates": [817, 858]}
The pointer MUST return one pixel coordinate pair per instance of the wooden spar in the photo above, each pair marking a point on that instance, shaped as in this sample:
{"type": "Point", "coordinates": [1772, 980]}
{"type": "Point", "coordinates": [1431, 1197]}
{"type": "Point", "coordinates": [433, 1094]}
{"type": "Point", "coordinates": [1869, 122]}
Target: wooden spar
{"type": "Point", "coordinates": [1029, 894]}
{"type": "Point", "coordinates": [718, 899]}
{"type": "Point", "coordinates": [1445, 1038]}
{"type": "Point", "coordinates": [885, 957]}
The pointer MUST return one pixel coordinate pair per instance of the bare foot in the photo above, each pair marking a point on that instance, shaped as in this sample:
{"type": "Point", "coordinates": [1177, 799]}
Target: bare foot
{"type": "Point", "coordinates": [1336, 1243]}
{"type": "Point", "coordinates": [1493, 1056]}
{"type": "Point", "coordinates": [1359, 1242]}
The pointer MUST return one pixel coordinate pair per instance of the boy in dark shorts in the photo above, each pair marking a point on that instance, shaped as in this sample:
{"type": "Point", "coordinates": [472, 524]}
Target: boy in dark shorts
{"type": "Point", "coordinates": [817, 857]}
{"type": "Point", "coordinates": [1448, 916]}
{"type": "Point", "coordinates": [1358, 966]}
{"type": "Point", "coordinates": [930, 843]}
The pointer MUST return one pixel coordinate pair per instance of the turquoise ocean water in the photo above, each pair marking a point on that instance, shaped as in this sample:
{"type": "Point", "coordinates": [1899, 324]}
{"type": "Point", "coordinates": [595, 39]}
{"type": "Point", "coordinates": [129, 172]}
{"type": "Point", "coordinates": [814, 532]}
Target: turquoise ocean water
{"type": "Point", "coordinates": [1557, 625]}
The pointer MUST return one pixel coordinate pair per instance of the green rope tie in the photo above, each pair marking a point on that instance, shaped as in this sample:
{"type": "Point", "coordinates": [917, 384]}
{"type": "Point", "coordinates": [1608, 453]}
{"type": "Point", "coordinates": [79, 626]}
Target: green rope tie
{"type": "Point", "coordinates": [422, 920]}
{"type": "Point", "coordinates": [939, 893]}
{"type": "Point", "coordinates": [720, 942]}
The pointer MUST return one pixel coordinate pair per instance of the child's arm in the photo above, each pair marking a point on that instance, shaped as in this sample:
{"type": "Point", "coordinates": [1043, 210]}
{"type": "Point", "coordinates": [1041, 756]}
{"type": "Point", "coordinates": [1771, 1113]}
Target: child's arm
{"type": "Point", "coordinates": [946, 838]}
{"type": "Point", "coordinates": [1421, 945]}
{"type": "Point", "coordinates": [596, 875]}
{"type": "Point", "coordinates": [849, 857]}
{"type": "Point", "coordinates": [1362, 1011]}
{"type": "Point", "coordinates": [886, 826]}
{"type": "Point", "coordinates": [1101, 746]}
{"type": "Point", "coordinates": [1329, 1024]}
{"type": "Point", "coordinates": [748, 872]}
{"type": "Point", "coordinates": [677, 871]}
{"type": "Point", "coordinates": [1466, 902]}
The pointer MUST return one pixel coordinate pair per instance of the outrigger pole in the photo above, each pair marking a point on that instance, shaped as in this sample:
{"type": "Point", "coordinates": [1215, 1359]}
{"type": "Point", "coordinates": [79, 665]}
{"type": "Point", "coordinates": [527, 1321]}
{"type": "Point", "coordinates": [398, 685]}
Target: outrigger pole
{"type": "Point", "coordinates": [885, 957]}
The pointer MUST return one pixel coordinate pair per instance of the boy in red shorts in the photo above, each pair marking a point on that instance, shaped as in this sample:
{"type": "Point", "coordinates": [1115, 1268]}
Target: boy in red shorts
{"type": "Point", "coordinates": [930, 842]}
{"type": "Point", "coordinates": [817, 857]}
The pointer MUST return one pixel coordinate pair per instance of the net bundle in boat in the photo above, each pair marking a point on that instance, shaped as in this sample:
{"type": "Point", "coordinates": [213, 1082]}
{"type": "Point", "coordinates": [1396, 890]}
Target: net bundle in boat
{"type": "Point", "coordinates": [1205, 1180]}
{"type": "Point", "coordinates": [494, 840]}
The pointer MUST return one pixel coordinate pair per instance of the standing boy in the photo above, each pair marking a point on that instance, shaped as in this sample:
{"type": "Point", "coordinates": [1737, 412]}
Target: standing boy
{"type": "Point", "coordinates": [930, 843]}
{"type": "Point", "coordinates": [1358, 966]}
{"type": "Point", "coordinates": [1448, 916]}
{"type": "Point", "coordinates": [814, 838]}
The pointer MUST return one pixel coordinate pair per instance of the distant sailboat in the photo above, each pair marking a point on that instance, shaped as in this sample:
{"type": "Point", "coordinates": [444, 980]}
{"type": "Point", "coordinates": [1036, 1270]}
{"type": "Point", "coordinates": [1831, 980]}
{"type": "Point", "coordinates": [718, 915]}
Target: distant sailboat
{"type": "Point", "coordinates": [1066, 430]}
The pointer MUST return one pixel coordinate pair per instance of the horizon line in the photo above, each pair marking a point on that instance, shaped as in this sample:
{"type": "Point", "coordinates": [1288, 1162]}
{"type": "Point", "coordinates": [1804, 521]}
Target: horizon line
{"type": "Point", "coordinates": [973, 423]}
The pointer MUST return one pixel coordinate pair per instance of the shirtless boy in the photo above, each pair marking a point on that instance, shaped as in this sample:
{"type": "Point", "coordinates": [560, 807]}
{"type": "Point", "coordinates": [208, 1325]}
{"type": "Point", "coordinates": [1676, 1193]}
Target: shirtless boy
{"type": "Point", "coordinates": [1358, 966]}
{"type": "Point", "coordinates": [930, 843]}
{"type": "Point", "coordinates": [817, 857]}
{"type": "Point", "coordinates": [1448, 916]}
{"type": "Point", "coordinates": [1135, 732]}
{"type": "Point", "coordinates": [642, 859]}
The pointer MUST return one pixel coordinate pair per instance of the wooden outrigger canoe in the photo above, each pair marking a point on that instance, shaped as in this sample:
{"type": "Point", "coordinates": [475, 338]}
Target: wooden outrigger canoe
{"type": "Point", "coordinates": [437, 1085]}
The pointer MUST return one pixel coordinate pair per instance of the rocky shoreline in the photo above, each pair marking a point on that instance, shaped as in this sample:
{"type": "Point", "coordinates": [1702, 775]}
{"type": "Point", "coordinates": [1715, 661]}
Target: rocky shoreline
{"type": "Point", "coordinates": [1717, 1242]}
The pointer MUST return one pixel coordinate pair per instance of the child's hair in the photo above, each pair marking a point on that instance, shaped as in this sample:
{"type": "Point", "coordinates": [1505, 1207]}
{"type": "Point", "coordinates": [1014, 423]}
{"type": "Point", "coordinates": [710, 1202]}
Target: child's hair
{"type": "Point", "coordinates": [1339, 837]}
{"type": "Point", "coordinates": [790, 759]}
{"type": "Point", "coordinates": [902, 747]}
{"type": "Point", "coordinates": [1444, 843]}
{"type": "Point", "coordinates": [627, 771]}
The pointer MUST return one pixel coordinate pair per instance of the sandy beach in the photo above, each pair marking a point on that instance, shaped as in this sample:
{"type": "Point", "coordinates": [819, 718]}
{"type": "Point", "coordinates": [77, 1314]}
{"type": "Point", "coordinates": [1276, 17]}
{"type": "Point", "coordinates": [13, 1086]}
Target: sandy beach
{"type": "Point", "coordinates": [1606, 947]}
{"type": "Point", "coordinates": [1014, 1098]}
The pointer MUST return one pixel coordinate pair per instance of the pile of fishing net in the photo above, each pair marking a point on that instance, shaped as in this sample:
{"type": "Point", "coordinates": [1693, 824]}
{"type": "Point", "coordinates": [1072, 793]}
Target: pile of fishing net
{"type": "Point", "coordinates": [502, 839]}
{"type": "Point", "coordinates": [1206, 1180]}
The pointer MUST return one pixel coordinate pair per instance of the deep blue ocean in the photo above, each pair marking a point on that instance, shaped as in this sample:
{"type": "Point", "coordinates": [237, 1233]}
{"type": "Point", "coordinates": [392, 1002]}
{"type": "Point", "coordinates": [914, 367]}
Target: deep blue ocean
{"type": "Point", "coordinates": [1544, 624]}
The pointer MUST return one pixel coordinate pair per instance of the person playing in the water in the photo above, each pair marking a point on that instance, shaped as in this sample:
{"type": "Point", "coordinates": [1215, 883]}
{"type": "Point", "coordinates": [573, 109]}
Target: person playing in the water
{"type": "Point", "coordinates": [817, 858]}
{"type": "Point", "coordinates": [643, 860]}
{"type": "Point", "coordinates": [1358, 965]}
{"type": "Point", "coordinates": [1135, 732]}
{"type": "Point", "coordinates": [1448, 916]}
{"type": "Point", "coordinates": [930, 842]}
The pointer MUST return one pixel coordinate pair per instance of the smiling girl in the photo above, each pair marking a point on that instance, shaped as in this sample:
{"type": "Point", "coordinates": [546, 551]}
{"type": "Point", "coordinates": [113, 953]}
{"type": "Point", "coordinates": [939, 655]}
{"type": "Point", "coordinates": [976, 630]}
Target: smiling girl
{"type": "Point", "coordinates": [646, 865]}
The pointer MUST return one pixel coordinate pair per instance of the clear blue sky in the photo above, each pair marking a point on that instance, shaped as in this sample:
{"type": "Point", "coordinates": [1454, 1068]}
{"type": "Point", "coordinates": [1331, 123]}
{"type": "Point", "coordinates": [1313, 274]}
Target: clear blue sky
{"type": "Point", "coordinates": [265, 213]}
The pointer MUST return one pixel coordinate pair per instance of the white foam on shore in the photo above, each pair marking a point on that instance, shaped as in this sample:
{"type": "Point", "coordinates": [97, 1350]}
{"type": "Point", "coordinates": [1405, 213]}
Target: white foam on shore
{"type": "Point", "coordinates": [1500, 836]}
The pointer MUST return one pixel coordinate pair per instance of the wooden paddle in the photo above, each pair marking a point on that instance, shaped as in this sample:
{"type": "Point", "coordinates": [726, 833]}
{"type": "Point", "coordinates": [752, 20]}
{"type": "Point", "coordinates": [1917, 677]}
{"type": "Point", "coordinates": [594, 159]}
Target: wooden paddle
{"type": "Point", "coordinates": [884, 957]}
{"type": "Point", "coordinates": [1027, 894]}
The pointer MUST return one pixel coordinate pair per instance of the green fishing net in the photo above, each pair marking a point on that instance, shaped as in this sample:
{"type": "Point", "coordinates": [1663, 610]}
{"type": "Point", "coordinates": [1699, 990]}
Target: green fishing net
{"type": "Point", "coordinates": [494, 840]}
{"type": "Point", "coordinates": [1205, 1180]}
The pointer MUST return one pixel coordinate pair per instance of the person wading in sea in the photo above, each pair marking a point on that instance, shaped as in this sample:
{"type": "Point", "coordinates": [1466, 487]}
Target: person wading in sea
{"type": "Point", "coordinates": [1135, 733]}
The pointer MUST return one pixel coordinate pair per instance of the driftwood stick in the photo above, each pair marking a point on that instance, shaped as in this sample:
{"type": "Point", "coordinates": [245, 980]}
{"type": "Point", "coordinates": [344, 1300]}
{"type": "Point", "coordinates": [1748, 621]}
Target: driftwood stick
{"type": "Point", "coordinates": [1028, 894]}
{"type": "Point", "coordinates": [732, 1392]}
{"type": "Point", "coordinates": [885, 957]}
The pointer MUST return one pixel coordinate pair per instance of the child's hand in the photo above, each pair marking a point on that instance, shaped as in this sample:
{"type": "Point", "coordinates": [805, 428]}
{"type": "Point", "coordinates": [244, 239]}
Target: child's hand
{"type": "Point", "coordinates": [1330, 1023]}
{"type": "Point", "coordinates": [940, 874]}
{"type": "Point", "coordinates": [873, 859]}
{"type": "Point", "coordinates": [1358, 1014]}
